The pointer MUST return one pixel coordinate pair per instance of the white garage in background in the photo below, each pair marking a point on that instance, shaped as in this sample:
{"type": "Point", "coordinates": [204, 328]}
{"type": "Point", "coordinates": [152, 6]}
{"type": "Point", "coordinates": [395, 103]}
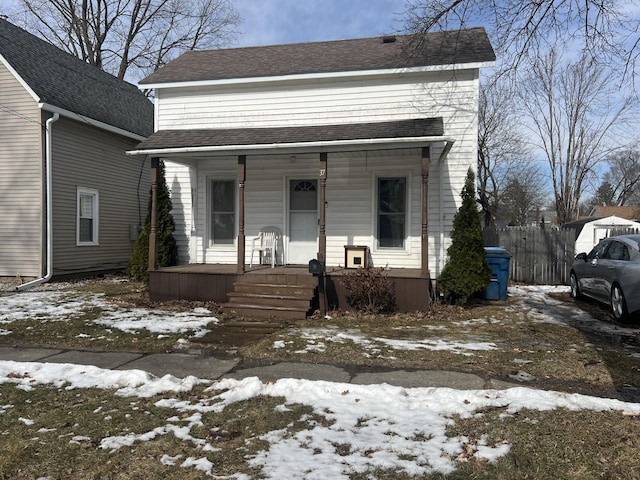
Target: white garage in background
{"type": "Point", "coordinates": [594, 231]}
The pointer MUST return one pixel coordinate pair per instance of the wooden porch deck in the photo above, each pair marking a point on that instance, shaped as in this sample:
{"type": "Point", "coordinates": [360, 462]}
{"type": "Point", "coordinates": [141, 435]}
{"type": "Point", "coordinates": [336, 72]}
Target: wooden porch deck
{"type": "Point", "coordinates": [214, 282]}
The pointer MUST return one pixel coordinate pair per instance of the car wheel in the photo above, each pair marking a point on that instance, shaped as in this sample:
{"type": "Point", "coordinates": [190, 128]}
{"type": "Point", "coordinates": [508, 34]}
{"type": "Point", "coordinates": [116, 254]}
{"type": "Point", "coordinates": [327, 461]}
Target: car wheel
{"type": "Point", "coordinates": [618, 304]}
{"type": "Point", "coordinates": [575, 288]}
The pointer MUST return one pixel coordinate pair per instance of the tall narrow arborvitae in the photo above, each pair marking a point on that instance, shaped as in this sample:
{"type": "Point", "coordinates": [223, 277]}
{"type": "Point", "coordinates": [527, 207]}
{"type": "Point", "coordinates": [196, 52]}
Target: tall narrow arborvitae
{"type": "Point", "coordinates": [167, 247]}
{"type": "Point", "coordinates": [466, 271]}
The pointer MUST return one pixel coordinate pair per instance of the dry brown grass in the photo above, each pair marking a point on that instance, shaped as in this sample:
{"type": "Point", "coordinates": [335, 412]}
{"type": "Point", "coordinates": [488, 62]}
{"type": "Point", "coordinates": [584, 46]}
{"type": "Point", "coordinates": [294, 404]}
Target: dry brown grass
{"type": "Point", "coordinates": [555, 444]}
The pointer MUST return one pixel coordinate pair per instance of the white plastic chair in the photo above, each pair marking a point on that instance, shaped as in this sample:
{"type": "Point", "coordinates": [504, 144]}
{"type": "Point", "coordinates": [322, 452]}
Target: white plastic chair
{"type": "Point", "coordinates": [267, 245]}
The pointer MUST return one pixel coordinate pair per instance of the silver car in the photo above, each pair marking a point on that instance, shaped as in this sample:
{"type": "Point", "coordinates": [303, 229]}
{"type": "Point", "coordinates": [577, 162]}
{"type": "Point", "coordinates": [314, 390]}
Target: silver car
{"type": "Point", "coordinates": [610, 273]}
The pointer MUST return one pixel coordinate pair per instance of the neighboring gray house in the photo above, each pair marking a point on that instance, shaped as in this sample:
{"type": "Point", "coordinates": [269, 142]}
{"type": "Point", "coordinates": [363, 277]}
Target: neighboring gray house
{"type": "Point", "coordinates": [57, 110]}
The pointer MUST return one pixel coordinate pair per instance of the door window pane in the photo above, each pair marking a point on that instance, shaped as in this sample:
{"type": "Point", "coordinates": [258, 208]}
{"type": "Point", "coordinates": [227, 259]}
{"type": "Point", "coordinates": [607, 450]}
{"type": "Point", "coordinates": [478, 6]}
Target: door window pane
{"type": "Point", "coordinates": [392, 201]}
{"type": "Point", "coordinates": [303, 206]}
{"type": "Point", "coordinates": [223, 218]}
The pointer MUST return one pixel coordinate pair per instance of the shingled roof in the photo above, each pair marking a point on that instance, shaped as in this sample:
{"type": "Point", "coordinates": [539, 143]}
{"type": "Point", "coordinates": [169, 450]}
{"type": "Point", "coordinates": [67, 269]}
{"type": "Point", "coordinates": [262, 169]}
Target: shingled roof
{"type": "Point", "coordinates": [64, 81]}
{"type": "Point", "coordinates": [375, 53]}
{"type": "Point", "coordinates": [173, 139]}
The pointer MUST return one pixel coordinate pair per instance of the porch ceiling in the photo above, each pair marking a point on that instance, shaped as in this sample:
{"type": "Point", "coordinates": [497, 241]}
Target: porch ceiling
{"type": "Point", "coordinates": [341, 137]}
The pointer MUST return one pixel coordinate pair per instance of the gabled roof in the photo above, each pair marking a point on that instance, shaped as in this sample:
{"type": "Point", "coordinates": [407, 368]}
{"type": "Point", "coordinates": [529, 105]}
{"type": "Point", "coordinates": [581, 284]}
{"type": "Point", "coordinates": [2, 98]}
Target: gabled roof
{"type": "Point", "coordinates": [66, 82]}
{"type": "Point", "coordinates": [365, 54]}
{"type": "Point", "coordinates": [629, 212]}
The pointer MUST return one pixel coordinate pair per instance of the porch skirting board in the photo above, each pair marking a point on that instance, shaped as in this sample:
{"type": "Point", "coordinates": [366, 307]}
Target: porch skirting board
{"type": "Point", "coordinates": [216, 283]}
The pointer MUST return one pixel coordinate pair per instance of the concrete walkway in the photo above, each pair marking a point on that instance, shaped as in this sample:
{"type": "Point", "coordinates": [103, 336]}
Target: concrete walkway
{"type": "Point", "coordinates": [208, 367]}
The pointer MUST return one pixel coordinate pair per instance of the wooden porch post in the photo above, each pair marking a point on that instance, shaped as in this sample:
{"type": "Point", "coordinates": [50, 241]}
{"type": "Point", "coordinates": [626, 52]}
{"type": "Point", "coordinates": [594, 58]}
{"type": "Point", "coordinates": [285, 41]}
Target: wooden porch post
{"type": "Point", "coordinates": [322, 240]}
{"type": "Point", "coordinates": [242, 175]}
{"type": "Point", "coordinates": [426, 158]}
{"type": "Point", "coordinates": [153, 242]}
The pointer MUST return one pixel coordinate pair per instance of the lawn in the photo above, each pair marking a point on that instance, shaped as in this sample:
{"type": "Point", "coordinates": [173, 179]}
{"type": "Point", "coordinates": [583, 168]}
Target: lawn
{"type": "Point", "coordinates": [563, 418]}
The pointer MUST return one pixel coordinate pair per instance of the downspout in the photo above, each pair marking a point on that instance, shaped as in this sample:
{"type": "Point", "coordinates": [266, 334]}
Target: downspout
{"type": "Point", "coordinates": [48, 196]}
{"type": "Point", "coordinates": [443, 156]}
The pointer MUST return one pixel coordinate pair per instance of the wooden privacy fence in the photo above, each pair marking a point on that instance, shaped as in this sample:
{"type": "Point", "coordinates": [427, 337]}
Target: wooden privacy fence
{"type": "Point", "coordinates": [542, 256]}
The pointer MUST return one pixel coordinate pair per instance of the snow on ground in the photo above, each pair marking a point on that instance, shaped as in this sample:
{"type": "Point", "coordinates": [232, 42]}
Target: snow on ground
{"type": "Point", "coordinates": [368, 427]}
{"type": "Point", "coordinates": [57, 305]}
{"type": "Point", "coordinates": [546, 309]}
{"type": "Point", "coordinates": [317, 337]}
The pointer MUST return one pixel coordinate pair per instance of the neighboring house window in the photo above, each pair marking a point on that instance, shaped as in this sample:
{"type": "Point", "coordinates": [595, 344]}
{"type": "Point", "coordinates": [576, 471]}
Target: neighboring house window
{"type": "Point", "coordinates": [392, 212]}
{"type": "Point", "coordinates": [87, 226]}
{"type": "Point", "coordinates": [223, 214]}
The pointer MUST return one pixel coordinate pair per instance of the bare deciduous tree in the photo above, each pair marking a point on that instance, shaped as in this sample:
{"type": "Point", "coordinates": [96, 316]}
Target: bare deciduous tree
{"type": "Point", "coordinates": [574, 110]}
{"type": "Point", "coordinates": [130, 38]}
{"type": "Point", "coordinates": [624, 176]}
{"type": "Point", "coordinates": [502, 150]}
{"type": "Point", "coordinates": [609, 28]}
{"type": "Point", "coordinates": [522, 196]}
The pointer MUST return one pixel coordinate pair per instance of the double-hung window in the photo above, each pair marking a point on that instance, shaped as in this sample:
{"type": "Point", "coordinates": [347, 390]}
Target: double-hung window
{"type": "Point", "coordinates": [223, 212]}
{"type": "Point", "coordinates": [392, 212]}
{"type": "Point", "coordinates": [87, 221]}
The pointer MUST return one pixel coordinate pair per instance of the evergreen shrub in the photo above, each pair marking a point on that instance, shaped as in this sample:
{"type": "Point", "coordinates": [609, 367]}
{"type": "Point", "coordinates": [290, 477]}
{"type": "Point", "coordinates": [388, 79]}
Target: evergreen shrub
{"type": "Point", "coordinates": [466, 271]}
{"type": "Point", "coordinates": [138, 267]}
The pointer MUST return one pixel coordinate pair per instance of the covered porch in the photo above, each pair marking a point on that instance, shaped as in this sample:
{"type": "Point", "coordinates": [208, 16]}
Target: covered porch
{"type": "Point", "coordinates": [374, 176]}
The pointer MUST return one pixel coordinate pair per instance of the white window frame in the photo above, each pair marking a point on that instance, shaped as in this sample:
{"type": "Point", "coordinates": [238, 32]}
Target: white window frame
{"type": "Point", "coordinates": [406, 244]}
{"type": "Point", "coordinates": [93, 193]}
{"type": "Point", "coordinates": [209, 212]}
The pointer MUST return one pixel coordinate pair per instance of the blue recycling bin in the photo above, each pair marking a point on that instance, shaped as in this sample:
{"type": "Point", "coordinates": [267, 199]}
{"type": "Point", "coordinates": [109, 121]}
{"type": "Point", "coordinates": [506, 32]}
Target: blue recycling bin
{"type": "Point", "coordinates": [498, 259]}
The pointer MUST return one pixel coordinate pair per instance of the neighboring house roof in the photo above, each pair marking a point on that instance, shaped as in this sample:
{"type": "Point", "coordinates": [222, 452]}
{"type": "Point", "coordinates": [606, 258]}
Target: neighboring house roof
{"type": "Point", "coordinates": [628, 212]}
{"type": "Point", "coordinates": [65, 82]}
{"type": "Point", "coordinates": [168, 139]}
{"type": "Point", "coordinates": [375, 53]}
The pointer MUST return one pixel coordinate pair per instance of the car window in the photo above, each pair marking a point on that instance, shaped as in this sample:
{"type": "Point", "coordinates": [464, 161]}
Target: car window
{"type": "Point", "coordinates": [598, 251]}
{"type": "Point", "coordinates": [617, 251]}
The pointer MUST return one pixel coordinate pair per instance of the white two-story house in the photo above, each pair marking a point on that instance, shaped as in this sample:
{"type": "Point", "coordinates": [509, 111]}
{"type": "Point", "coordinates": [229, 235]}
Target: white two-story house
{"type": "Point", "coordinates": [355, 150]}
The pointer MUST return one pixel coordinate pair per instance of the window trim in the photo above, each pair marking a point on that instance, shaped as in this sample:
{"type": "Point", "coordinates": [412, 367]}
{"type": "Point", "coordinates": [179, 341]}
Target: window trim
{"type": "Point", "coordinates": [210, 240]}
{"type": "Point", "coordinates": [94, 194]}
{"type": "Point", "coordinates": [405, 248]}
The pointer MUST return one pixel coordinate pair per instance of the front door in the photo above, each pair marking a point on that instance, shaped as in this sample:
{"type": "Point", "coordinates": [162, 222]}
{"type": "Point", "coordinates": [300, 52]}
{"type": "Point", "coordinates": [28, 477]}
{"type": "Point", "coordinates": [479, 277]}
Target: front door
{"type": "Point", "coordinates": [303, 221]}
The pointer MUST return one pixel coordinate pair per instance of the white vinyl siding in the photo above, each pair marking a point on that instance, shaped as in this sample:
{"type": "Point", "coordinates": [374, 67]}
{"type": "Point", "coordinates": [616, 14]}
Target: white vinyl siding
{"type": "Point", "coordinates": [182, 183]}
{"type": "Point", "coordinates": [21, 180]}
{"type": "Point", "coordinates": [399, 97]}
{"type": "Point", "coordinates": [87, 224]}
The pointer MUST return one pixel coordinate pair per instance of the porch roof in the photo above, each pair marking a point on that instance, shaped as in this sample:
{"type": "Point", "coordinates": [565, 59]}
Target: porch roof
{"type": "Point", "coordinates": [318, 137]}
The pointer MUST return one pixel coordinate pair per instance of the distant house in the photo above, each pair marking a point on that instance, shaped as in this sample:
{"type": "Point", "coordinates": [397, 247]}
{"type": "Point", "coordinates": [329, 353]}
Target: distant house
{"type": "Point", "coordinates": [356, 150]}
{"type": "Point", "coordinates": [629, 212]}
{"type": "Point", "coordinates": [67, 124]}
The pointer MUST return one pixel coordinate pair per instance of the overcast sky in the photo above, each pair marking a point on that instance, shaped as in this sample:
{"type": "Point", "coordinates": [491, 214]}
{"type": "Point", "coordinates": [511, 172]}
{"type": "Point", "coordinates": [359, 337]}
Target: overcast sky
{"type": "Point", "coordinates": [268, 22]}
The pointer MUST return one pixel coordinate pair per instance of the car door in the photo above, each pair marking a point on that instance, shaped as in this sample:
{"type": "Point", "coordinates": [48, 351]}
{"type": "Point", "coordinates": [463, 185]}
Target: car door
{"type": "Point", "coordinates": [590, 276]}
{"type": "Point", "coordinates": [610, 265]}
